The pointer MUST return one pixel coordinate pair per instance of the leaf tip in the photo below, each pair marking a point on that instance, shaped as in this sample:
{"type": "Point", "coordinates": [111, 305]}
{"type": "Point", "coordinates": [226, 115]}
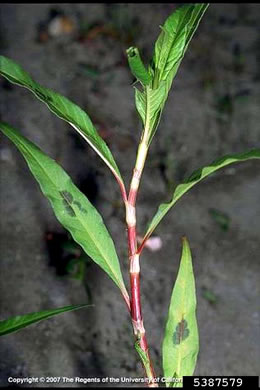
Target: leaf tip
{"type": "Point", "coordinates": [184, 240]}
{"type": "Point", "coordinates": [131, 51]}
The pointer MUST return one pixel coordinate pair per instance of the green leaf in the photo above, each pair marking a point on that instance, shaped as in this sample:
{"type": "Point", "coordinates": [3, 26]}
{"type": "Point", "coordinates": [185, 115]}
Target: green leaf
{"type": "Point", "coordinates": [142, 354]}
{"type": "Point", "coordinates": [137, 67]}
{"type": "Point", "coordinates": [195, 178]}
{"type": "Point", "coordinates": [181, 339]}
{"type": "Point", "coordinates": [170, 47]}
{"type": "Point", "coordinates": [16, 323]}
{"type": "Point", "coordinates": [173, 41]}
{"type": "Point", "coordinates": [71, 207]}
{"type": "Point", "coordinates": [63, 108]}
{"type": "Point", "coordinates": [149, 104]}
{"type": "Point", "coordinates": [145, 360]}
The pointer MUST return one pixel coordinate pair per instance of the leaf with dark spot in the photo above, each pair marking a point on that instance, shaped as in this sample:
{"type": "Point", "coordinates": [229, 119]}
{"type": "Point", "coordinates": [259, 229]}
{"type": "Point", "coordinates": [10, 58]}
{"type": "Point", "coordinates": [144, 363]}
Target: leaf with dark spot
{"type": "Point", "coordinates": [88, 230]}
{"type": "Point", "coordinates": [181, 338]}
{"type": "Point", "coordinates": [69, 209]}
{"type": "Point", "coordinates": [181, 332]}
{"type": "Point", "coordinates": [84, 211]}
{"type": "Point", "coordinates": [80, 207]}
{"type": "Point", "coordinates": [77, 204]}
{"type": "Point", "coordinates": [67, 196]}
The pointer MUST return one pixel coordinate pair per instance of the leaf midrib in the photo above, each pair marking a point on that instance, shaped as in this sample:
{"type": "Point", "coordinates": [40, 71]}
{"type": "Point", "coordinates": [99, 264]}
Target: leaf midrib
{"type": "Point", "coordinates": [180, 350]}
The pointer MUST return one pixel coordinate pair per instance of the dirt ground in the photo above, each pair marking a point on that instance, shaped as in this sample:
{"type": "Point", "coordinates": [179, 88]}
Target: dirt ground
{"type": "Point", "coordinates": [213, 110]}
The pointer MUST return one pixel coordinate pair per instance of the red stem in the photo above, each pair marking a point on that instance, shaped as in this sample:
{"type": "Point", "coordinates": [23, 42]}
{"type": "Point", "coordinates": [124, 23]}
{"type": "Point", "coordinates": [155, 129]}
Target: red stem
{"type": "Point", "coordinates": [136, 308]}
{"type": "Point", "coordinates": [135, 298]}
{"type": "Point", "coordinates": [136, 312]}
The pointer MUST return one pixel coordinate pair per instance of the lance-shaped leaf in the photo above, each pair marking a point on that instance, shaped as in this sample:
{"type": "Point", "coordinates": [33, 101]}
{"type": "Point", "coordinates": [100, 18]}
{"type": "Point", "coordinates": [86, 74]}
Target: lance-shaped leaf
{"type": "Point", "coordinates": [173, 41]}
{"type": "Point", "coordinates": [137, 67]}
{"type": "Point", "coordinates": [63, 108]}
{"type": "Point", "coordinates": [195, 178]}
{"type": "Point", "coordinates": [170, 48]}
{"type": "Point", "coordinates": [16, 323]}
{"type": "Point", "coordinates": [181, 339]}
{"type": "Point", "coordinates": [71, 206]}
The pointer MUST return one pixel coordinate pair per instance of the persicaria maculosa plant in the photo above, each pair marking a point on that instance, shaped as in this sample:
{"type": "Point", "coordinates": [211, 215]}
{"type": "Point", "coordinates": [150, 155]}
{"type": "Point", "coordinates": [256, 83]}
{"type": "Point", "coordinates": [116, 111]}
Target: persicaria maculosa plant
{"type": "Point", "coordinates": [74, 211]}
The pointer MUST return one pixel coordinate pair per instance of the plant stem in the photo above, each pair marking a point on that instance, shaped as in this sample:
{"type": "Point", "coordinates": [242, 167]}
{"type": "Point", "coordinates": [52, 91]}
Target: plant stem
{"type": "Point", "coordinates": [135, 297]}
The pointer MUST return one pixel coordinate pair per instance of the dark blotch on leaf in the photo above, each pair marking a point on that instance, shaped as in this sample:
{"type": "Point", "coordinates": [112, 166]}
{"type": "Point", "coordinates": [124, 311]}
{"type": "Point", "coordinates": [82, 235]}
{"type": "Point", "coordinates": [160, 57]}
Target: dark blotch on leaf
{"type": "Point", "coordinates": [77, 204]}
{"type": "Point", "coordinates": [181, 332]}
{"type": "Point", "coordinates": [69, 209]}
{"type": "Point", "coordinates": [80, 207]}
{"type": "Point", "coordinates": [83, 210]}
{"type": "Point", "coordinates": [67, 196]}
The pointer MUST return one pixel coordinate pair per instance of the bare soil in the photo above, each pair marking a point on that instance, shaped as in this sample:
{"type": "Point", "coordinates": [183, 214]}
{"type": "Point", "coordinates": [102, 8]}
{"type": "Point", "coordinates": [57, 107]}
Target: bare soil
{"type": "Point", "coordinates": [213, 110]}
